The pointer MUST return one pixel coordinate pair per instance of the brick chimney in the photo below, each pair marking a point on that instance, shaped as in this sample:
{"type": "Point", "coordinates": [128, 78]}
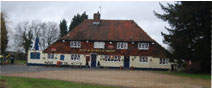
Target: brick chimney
{"type": "Point", "coordinates": [96, 18]}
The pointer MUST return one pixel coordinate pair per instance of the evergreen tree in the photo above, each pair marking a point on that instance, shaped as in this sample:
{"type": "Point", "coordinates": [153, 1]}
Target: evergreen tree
{"type": "Point", "coordinates": [189, 35]}
{"type": "Point", "coordinates": [63, 28]}
{"type": "Point", "coordinates": [77, 20]}
{"type": "Point", "coordinates": [27, 40]}
{"type": "Point", "coordinates": [4, 36]}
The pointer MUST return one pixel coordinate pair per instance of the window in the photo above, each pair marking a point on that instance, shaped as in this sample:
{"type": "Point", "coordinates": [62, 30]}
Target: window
{"type": "Point", "coordinates": [117, 58]}
{"type": "Point", "coordinates": [99, 44]}
{"type": "Point", "coordinates": [75, 57]}
{"type": "Point", "coordinates": [62, 57]}
{"type": "Point", "coordinates": [51, 56]}
{"type": "Point", "coordinates": [144, 59]}
{"type": "Point", "coordinates": [122, 45]}
{"type": "Point", "coordinates": [75, 44]}
{"type": "Point", "coordinates": [112, 58]}
{"type": "Point", "coordinates": [35, 55]}
{"type": "Point", "coordinates": [143, 46]}
{"type": "Point", "coordinates": [106, 58]}
{"type": "Point", "coordinates": [164, 61]}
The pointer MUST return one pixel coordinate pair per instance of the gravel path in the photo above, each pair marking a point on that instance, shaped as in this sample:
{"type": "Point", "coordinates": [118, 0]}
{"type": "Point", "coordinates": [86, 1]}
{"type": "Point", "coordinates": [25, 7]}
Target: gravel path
{"type": "Point", "coordinates": [123, 78]}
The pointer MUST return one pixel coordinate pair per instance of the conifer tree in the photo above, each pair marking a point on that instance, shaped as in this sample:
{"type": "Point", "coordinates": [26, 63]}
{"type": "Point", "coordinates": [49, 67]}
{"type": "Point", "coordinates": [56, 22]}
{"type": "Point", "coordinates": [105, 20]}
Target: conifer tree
{"type": "Point", "coordinates": [189, 32]}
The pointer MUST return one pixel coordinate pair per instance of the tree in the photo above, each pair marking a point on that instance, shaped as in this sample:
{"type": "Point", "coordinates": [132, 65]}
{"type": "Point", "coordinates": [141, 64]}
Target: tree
{"type": "Point", "coordinates": [189, 35]}
{"type": "Point", "coordinates": [24, 36]}
{"type": "Point", "coordinates": [77, 19]}
{"type": "Point", "coordinates": [50, 34]}
{"type": "Point", "coordinates": [27, 32]}
{"type": "Point", "coordinates": [4, 36]}
{"type": "Point", "coordinates": [63, 28]}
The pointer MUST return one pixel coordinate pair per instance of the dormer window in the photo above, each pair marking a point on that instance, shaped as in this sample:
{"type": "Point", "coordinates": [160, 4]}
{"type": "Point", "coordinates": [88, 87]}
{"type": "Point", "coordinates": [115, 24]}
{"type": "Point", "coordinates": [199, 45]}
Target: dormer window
{"type": "Point", "coordinates": [99, 45]}
{"type": "Point", "coordinates": [122, 45]}
{"type": "Point", "coordinates": [75, 44]}
{"type": "Point", "coordinates": [143, 46]}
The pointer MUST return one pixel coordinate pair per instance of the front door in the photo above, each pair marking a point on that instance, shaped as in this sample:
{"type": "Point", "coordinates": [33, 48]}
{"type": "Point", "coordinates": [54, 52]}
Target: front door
{"type": "Point", "coordinates": [87, 61]}
{"type": "Point", "coordinates": [126, 61]}
{"type": "Point", "coordinates": [93, 60]}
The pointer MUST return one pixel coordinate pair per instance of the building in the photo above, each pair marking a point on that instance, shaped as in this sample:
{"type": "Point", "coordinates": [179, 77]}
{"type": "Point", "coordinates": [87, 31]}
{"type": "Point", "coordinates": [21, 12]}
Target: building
{"type": "Point", "coordinates": [104, 43]}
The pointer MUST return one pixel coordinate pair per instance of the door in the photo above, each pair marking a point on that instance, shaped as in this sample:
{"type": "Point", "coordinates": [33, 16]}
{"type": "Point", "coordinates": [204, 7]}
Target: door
{"type": "Point", "coordinates": [126, 61]}
{"type": "Point", "coordinates": [93, 60]}
{"type": "Point", "coordinates": [87, 60]}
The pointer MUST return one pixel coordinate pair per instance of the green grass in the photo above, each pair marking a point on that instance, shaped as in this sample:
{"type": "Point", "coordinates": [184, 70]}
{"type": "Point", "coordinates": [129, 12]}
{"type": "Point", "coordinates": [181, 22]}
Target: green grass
{"type": "Point", "coordinates": [20, 62]}
{"type": "Point", "coordinates": [21, 82]}
{"type": "Point", "coordinates": [184, 74]}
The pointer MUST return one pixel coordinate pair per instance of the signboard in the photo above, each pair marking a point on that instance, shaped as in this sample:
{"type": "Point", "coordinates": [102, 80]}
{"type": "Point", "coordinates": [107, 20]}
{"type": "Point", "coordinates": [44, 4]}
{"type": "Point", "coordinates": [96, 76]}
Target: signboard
{"type": "Point", "coordinates": [53, 49]}
{"type": "Point", "coordinates": [96, 50]}
{"type": "Point", "coordinates": [110, 46]}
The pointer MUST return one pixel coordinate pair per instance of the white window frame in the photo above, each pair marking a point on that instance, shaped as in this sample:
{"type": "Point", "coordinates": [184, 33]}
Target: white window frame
{"type": "Point", "coordinates": [99, 45]}
{"type": "Point", "coordinates": [143, 59]}
{"type": "Point", "coordinates": [143, 46]}
{"type": "Point", "coordinates": [122, 45]}
{"type": "Point", "coordinates": [164, 61]}
{"type": "Point", "coordinates": [107, 57]}
{"type": "Point", "coordinates": [114, 59]}
{"type": "Point", "coordinates": [75, 57]}
{"type": "Point", "coordinates": [75, 44]}
{"type": "Point", "coordinates": [117, 58]}
{"type": "Point", "coordinates": [50, 56]}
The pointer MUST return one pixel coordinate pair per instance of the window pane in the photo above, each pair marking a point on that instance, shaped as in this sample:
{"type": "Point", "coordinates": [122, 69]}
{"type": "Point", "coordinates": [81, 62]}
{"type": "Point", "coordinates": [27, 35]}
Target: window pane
{"type": "Point", "coordinates": [61, 57]}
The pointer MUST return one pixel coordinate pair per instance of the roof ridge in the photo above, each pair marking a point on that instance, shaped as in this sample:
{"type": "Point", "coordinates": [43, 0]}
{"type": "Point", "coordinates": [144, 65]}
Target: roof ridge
{"type": "Point", "coordinates": [112, 19]}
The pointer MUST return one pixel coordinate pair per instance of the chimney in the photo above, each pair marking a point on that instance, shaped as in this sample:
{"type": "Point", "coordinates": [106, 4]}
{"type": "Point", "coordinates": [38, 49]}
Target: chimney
{"type": "Point", "coordinates": [96, 18]}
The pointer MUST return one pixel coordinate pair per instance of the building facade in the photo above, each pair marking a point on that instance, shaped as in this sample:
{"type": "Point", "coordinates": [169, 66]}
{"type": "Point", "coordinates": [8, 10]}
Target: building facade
{"type": "Point", "coordinates": [104, 43]}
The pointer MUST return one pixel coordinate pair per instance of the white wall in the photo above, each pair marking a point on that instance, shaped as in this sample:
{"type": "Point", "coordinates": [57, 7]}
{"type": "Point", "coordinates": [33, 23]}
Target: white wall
{"type": "Point", "coordinates": [153, 62]}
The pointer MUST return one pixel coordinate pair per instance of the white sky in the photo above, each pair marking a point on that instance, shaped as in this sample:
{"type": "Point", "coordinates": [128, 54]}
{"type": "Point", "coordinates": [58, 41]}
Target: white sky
{"type": "Point", "coordinates": [141, 12]}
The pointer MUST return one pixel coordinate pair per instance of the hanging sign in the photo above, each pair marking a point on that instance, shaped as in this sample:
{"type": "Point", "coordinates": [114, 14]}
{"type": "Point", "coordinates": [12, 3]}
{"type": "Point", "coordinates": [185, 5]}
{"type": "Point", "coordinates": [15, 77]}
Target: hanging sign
{"type": "Point", "coordinates": [53, 49]}
{"type": "Point", "coordinates": [110, 46]}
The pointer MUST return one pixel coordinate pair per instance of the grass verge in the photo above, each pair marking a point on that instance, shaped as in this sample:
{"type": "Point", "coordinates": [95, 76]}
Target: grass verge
{"type": "Point", "coordinates": [20, 62]}
{"type": "Point", "coordinates": [21, 82]}
{"type": "Point", "coordinates": [184, 74]}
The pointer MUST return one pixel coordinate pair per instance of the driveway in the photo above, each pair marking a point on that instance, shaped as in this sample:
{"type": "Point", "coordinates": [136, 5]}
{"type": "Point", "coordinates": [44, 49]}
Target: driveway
{"type": "Point", "coordinates": [114, 77]}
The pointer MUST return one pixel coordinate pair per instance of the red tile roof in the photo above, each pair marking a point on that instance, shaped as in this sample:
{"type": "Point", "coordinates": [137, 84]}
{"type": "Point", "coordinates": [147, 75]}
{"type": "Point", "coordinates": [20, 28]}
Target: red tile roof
{"type": "Point", "coordinates": [108, 30]}
{"type": "Point", "coordinates": [155, 49]}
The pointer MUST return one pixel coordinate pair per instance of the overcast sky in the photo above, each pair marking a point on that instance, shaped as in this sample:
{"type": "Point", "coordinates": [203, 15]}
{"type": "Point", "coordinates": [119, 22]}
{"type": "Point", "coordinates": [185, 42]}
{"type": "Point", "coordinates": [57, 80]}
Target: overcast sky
{"type": "Point", "coordinates": [141, 12]}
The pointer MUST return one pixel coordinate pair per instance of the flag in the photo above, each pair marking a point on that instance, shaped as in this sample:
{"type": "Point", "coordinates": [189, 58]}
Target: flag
{"type": "Point", "coordinates": [37, 44]}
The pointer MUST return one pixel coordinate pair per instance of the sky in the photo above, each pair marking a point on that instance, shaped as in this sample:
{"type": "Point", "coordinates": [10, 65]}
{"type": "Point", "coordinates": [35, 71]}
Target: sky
{"type": "Point", "coordinates": [139, 11]}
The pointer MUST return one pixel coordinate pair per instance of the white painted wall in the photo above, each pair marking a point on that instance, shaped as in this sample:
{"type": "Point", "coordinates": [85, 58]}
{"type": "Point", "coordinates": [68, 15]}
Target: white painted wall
{"type": "Point", "coordinates": [153, 62]}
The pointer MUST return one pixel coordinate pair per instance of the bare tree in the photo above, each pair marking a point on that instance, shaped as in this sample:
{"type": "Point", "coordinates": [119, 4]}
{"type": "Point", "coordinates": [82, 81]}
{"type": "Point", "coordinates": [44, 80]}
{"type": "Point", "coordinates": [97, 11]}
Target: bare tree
{"type": "Point", "coordinates": [24, 36]}
{"type": "Point", "coordinates": [27, 32]}
{"type": "Point", "coordinates": [49, 34]}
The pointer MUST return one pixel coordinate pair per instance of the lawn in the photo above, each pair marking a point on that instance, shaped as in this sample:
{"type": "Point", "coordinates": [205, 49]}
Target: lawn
{"type": "Point", "coordinates": [20, 61]}
{"type": "Point", "coordinates": [184, 74]}
{"type": "Point", "coordinates": [21, 82]}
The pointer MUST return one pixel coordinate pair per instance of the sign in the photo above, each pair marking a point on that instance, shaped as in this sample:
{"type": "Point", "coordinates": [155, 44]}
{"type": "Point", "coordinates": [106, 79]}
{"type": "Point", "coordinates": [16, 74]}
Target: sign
{"type": "Point", "coordinates": [53, 49]}
{"type": "Point", "coordinates": [96, 50]}
{"type": "Point", "coordinates": [110, 46]}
